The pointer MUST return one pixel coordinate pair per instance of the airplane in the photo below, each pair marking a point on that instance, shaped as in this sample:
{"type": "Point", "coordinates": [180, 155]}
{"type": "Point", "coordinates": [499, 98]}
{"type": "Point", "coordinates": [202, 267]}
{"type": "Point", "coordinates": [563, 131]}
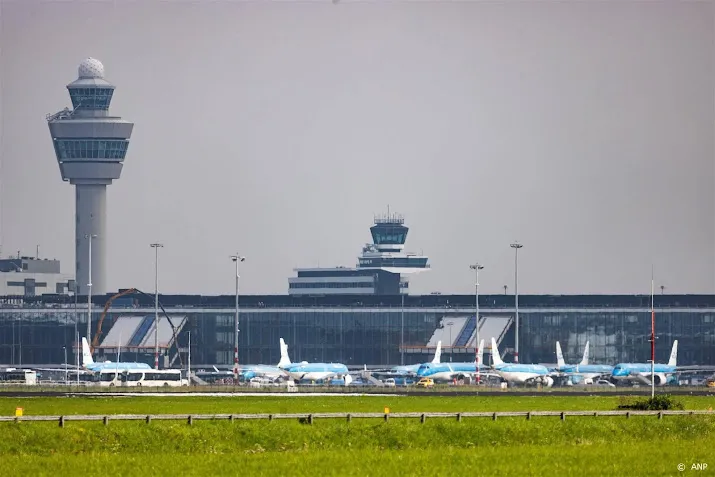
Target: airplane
{"type": "Point", "coordinates": [520, 373]}
{"type": "Point", "coordinates": [641, 372]}
{"type": "Point", "coordinates": [266, 371]}
{"type": "Point", "coordinates": [311, 371]}
{"type": "Point", "coordinates": [249, 371]}
{"type": "Point", "coordinates": [583, 371]}
{"type": "Point", "coordinates": [89, 364]}
{"type": "Point", "coordinates": [412, 368]}
{"type": "Point", "coordinates": [407, 370]}
{"type": "Point", "coordinates": [451, 371]}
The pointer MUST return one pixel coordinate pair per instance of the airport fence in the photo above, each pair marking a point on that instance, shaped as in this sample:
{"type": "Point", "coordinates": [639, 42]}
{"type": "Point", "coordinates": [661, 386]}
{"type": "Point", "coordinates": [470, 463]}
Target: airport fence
{"type": "Point", "coordinates": [309, 418]}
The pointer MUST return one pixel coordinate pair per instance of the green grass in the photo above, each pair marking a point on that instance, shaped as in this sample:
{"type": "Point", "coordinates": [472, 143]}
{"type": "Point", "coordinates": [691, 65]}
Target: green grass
{"type": "Point", "coordinates": [294, 404]}
{"type": "Point", "coordinates": [641, 445]}
{"type": "Point", "coordinates": [590, 446]}
{"type": "Point", "coordinates": [530, 460]}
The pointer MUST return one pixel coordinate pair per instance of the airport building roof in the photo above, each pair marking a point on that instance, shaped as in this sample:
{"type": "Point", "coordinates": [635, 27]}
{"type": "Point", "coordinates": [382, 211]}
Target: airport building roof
{"type": "Point", "coordinates": [377, 301]}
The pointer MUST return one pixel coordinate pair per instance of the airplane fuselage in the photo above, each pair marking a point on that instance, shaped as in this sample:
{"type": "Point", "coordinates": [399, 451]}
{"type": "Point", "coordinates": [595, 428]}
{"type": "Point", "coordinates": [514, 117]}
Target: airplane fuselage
{"type": "Point", "coordinates": [107, 365]}
{"type": "Point", "coordinates": [636, 371]}
{"type": "Point", "coordinates": [587, 371]}
{"type": "Point", "coordinates": [252, 371]}
{"type": "Point", "coordinates": [448, 371]}
{"type": "Point", "coordinates": [314, 371]}
{"type": "Point", "coordinates": [522, 373]}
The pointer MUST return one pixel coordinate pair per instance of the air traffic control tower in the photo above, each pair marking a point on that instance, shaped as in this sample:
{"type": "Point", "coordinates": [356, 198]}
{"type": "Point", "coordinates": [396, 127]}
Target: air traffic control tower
{"type": "Point", "coordinates": [90, 146]}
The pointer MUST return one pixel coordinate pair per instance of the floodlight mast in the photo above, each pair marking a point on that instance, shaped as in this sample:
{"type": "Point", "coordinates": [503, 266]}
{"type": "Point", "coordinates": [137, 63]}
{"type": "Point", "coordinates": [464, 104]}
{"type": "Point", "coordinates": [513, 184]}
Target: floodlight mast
{"type": "Point", "coordinates": [236, 259]}
{"type": "Point", "coordinates": [476, 267]}
{"type": "Point", "coordinates": [516, 246]}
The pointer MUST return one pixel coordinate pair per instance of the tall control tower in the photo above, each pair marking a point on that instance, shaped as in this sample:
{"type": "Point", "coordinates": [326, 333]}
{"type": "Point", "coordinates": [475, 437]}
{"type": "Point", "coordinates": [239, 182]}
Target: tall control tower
{"type": "Point", "coordinates": [90, 146]}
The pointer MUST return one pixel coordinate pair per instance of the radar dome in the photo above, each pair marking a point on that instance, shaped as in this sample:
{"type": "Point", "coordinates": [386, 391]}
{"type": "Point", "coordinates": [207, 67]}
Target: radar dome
{"type": "Point", "coordinates": [91, 68]}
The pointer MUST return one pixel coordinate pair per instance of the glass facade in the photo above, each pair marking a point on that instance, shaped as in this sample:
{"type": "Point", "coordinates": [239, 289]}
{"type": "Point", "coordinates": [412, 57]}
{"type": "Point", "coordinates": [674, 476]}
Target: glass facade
{"type": "Point", "coordinates": [399, 262]}
{"type": "Point", "coordinates": [91, 148]}
{"type": "Point", "coordinates": [618, 336]}
{"type": "Point", "coordinates": [393, 234]}
{"type": "Point", "coordinates": [366, 330]}
{"type": "Point", "coordinates": [91, 98]}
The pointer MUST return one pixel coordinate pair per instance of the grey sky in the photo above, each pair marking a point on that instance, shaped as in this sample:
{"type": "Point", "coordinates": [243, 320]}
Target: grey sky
{"type": "Point", "coordinates": [584, 130]}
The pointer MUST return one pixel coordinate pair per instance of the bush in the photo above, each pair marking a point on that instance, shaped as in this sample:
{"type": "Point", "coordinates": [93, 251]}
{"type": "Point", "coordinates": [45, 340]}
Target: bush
{"type": "Point", "coordinates": [661, 402]}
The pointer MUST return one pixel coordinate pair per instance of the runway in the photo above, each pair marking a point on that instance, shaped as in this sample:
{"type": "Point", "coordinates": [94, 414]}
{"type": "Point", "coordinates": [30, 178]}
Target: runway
{"type": "Point", "coordinates": [229, 394]}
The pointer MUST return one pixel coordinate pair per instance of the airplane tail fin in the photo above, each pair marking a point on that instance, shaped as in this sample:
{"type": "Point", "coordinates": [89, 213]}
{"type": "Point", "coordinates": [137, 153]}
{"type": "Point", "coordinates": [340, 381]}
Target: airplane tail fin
{"type": "Point", "coordinates": [437, 353]}
{"type": "Point", "coordinates": [560, 362]}
{"type": "Point", "coordinates": [285, 360]}
{"type": "Point", "coordinates": [584, 361]}
{"type": "Point", "coordinates": [496, 359]}
{"type": "Point", "coordinates": [480, 352]}
{"type": "Point", "coordinates": [86, 354]}
{"type": "Point", "coordinates": [673, 361]}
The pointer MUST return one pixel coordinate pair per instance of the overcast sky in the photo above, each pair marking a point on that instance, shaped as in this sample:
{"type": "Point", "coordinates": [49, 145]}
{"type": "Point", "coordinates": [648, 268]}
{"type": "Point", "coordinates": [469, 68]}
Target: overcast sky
{"type": "Point", "coordinates": [277, 129]}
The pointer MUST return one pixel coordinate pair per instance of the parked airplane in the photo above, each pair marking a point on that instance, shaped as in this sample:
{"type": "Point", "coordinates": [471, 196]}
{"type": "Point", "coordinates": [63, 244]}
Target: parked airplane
{"type": "Point", "coordinates": [312, 371]}
{"type": "Point", "coordinates": [410, 369]}
{"type": "Point", "coordinates": [89, 364]}
{"type": "Point", "coordinates": [452, 371]}
{"type": "Point", "coordinates": [641, 372]}
{"type": "Point", "coordinates": [583, 371]}
{"type": "Point", "coordinates": [520, 373]}
{"type": "Point", "coordinates": [267, 371]}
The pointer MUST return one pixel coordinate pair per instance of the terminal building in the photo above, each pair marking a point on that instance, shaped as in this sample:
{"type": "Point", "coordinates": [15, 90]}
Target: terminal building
{"type": "Point", "coordinates": [358, 330]}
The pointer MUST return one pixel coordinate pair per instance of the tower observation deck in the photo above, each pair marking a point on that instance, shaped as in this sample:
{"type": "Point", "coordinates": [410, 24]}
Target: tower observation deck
{"type": "Point", "coordinates": [386, 252]}
{"type": "Point", "coordinates": [90, 146]}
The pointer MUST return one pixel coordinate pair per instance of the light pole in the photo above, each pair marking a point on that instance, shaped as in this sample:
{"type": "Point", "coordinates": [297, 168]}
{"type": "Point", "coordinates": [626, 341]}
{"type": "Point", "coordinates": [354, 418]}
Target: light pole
{"type": "Point", "coordinates": [516, 246]}
{"type": "Point", "coordinates": [156, 247]}
{"type": "Point", "coordinates": [476, 267]}
{"type": "Point", "coordinates": [402, 330]}
{"type": "Point", "coordinates": [505, 288]}
{"type": "Point", "coordinates": [188, 374]}
{"type": "Point", "coordinates": [652, 335]}
{"type": "Point", "coordinates": [89, 291]}
{"type": "Point", "coordinates": [76, 331]}
{"type": "Point", "coordinates": [236, 259]}
{"type": "Point", "coordinates": [77, 353]}
{"type": "Point", "coordinates": [64, 348]}
{"type": "Point", "coordinates": [451, 349]}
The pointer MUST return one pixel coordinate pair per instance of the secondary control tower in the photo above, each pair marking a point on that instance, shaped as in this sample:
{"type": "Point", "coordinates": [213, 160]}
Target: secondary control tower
{"type": "Point", "coordinates": [90, 146]}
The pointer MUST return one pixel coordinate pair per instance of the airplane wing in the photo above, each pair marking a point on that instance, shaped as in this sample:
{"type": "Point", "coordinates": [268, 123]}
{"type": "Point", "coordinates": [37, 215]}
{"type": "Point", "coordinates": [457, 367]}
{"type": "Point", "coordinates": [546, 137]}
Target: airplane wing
{"type": "Point", "coordinates": [70, 369]}
{"type": "Point", "coordinates": [473, 374]}
{"type": "Point", "coordinates": [694, 369]}
{"type": "Point", "coordinates": [393, 374]}
{"type": "Point", "coordinates": [642, 379]}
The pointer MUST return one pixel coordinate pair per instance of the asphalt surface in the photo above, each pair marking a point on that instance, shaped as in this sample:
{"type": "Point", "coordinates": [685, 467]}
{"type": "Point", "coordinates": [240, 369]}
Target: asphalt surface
{"type": "Point", "coordinates": [376, 392]}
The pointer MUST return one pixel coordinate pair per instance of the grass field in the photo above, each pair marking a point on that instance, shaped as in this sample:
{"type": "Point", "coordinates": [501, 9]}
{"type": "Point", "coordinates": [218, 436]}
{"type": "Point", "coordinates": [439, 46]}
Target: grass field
{"type": "Point", "coordinates": [509, 446]}
{"type": "Point", "coordinates": [290, 404]}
